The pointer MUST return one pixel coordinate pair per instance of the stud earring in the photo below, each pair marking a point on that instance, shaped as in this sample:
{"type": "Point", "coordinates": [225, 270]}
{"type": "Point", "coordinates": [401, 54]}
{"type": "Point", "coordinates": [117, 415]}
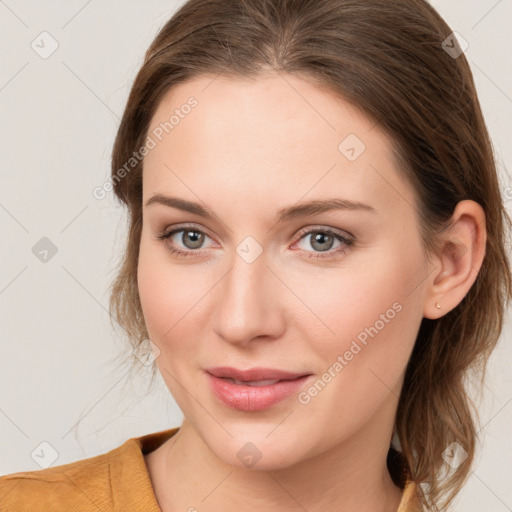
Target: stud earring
{"type": "Point", "coordinates": [438, 306]}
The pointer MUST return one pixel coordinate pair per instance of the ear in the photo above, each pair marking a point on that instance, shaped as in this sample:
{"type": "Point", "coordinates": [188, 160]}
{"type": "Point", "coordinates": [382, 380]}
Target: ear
{"type": "Point", "coordinates": [457, 261]}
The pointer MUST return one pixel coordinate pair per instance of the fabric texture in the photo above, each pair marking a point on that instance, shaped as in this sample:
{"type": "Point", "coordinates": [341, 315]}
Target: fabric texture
{"type": "Point", "coordinates": [114, 481]}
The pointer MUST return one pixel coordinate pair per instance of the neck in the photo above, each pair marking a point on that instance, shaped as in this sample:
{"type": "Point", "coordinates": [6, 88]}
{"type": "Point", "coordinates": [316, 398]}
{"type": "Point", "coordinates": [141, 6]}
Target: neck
{"type": "Point", "coordinates": [351, 476]}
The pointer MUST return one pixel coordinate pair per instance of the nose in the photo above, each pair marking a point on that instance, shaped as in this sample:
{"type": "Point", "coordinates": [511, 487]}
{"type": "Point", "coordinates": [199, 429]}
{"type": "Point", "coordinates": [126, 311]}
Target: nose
{"type": "Point", "coordinates": [250, 306]}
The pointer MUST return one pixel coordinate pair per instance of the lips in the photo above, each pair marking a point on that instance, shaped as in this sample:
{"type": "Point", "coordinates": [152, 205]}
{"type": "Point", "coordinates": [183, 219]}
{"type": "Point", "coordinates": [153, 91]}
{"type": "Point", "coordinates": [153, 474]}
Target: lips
{"type": "Point", "coordinates": [255, 389]}
{"type": "Point", "coordinates": [253, 374]}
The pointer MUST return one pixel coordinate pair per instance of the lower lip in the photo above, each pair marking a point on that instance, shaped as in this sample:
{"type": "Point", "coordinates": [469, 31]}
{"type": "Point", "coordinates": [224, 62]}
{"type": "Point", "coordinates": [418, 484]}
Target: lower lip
{"type": "Point", "coordinates": [254, 398]}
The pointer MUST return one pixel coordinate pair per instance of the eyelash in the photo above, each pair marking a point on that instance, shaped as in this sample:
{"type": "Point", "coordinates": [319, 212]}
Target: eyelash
{"type": "Point", "coordinates": [313, 255]}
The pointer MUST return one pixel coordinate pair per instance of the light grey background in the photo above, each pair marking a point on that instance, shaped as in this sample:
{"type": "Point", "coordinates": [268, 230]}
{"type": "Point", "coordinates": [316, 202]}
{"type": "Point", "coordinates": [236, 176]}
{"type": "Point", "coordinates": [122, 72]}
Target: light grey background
{"type": "Point", "coordinates": [58, 380]}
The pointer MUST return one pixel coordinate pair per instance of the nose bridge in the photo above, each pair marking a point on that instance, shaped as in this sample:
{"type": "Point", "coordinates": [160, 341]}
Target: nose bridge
{"type": "Point", "coordinates": [247, 305]}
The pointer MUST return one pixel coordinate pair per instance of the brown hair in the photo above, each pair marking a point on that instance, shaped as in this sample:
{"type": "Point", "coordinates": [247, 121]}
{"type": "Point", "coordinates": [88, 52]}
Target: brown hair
{"type": "Point", "coordinates": [388, 59]}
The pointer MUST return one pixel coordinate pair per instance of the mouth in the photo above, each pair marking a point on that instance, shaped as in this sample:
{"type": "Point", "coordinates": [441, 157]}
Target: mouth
{"type": "Point", "coordinates": [267, 382]}
{"type": "Point", "coordinates": [253, 374]}
{"type": "Point", "coordinates": [252, 392]}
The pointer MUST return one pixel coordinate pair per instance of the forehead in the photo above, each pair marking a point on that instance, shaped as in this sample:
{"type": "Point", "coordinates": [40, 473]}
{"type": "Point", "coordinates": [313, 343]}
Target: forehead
{"type": "Point", "coordinates": [276, 136]}
{"type": "Point", "coordinates": [276, 104]}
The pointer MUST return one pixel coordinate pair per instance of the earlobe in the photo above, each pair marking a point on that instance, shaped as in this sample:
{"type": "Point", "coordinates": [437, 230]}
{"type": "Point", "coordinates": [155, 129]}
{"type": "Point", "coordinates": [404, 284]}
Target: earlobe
{"type": "Point", "coordinates": [459, 259]}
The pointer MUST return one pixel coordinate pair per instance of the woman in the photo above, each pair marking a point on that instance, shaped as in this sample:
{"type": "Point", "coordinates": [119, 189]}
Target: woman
{"type": "Point", "coordinates": [310, 378]}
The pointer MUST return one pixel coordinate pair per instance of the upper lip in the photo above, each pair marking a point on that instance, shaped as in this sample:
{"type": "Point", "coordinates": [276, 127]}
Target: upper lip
{"type": "Point", "coordinates": [253, 374]}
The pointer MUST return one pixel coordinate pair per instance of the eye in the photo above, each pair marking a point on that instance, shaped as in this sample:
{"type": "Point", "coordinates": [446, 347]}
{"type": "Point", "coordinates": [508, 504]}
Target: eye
{"type": "Point", "coordinates": [191, 238]}
{"type": "Point", "coordinates": [323, 240]}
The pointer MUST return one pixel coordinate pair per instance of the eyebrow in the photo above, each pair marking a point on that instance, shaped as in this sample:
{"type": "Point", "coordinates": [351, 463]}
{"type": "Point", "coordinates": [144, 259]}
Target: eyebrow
{"type": "Point", "coordinates": [299, 210]}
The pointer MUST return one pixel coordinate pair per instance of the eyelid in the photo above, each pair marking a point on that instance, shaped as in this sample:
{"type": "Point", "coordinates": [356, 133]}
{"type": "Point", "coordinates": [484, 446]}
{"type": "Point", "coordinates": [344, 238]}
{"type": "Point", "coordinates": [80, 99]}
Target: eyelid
{"type": "Point", "coordinates": [341, 232]}
{"type": "Point", "coordinates": [184, 227]}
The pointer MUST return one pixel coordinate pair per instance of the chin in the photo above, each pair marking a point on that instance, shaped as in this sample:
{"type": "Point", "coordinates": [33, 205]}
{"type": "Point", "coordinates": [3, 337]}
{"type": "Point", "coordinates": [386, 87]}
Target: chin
{"type": "Point", "coordinates": [258, 452]}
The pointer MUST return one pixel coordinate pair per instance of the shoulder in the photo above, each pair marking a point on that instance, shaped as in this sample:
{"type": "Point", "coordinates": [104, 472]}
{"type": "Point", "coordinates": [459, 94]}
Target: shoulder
{"type": "Point", "coordinates": [410, 498]}
{"type": "Point", "coordinates": [55, 488]}
{"type": "Point", "coordinates": [116, 480]}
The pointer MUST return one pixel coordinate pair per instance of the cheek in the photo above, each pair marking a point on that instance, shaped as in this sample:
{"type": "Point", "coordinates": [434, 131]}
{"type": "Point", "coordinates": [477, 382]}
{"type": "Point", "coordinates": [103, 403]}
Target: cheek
{"type": "Point", "coordinates": [375, 313]}
{"type": "Point", "coordinates": [339, 304]}
{"type": "Point", "coordinates": [170, 296]}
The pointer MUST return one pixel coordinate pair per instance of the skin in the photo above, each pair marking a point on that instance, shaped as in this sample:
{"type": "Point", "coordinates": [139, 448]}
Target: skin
{"type": "Point", "coordinates": [247, 150]}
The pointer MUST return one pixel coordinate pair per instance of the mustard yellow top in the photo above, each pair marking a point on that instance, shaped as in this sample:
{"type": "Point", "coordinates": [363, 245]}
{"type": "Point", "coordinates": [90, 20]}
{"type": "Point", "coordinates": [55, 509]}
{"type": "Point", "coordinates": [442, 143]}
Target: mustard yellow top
{"type": "Point", "coordinates": [114, 481]}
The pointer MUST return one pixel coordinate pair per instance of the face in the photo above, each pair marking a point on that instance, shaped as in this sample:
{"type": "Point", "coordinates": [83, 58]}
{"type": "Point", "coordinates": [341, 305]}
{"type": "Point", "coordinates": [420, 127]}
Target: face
{"type": "Point", "coordinates": [334, 293]}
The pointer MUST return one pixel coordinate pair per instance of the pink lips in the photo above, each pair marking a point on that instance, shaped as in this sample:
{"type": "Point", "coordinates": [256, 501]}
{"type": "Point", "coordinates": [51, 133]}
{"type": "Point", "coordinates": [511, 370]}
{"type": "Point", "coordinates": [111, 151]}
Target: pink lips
{"type": "Point", "coordinates": [253, 398]}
